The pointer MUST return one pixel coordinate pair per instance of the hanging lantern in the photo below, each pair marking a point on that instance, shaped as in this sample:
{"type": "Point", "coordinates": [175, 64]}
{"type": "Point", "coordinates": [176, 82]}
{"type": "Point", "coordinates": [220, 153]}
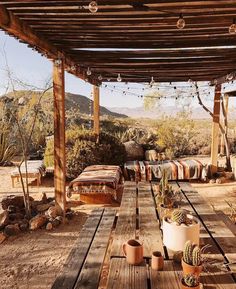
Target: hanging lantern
{"type": "Point", "coordinates": [93, 7]}
{"type": "Point", "coordinates": [152, 82]}
{"type": "Point", "coordinates": [181, 22]}
{"type": "Point", "coordinates": [89, 72]}
{"type": "Point", "coordinates": [100, 77]}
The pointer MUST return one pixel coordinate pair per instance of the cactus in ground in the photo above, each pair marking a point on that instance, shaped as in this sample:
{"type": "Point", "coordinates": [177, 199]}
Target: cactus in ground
{"type": "Point", "coordinates": [188, 252]}
{"type": "Point", "coordinates": [190, 280]}
{"type": "Point", "coordinates": [179, 216]}
{"type": "Point", "coordinates": [196, 256]}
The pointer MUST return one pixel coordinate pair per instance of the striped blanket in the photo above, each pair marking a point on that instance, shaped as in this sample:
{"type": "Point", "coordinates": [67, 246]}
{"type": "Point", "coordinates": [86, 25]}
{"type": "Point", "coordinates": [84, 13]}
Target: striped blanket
{"type": "Point", "coordinates": [97, 179]}
{"type": "Point", "coordinates": [152, 170]}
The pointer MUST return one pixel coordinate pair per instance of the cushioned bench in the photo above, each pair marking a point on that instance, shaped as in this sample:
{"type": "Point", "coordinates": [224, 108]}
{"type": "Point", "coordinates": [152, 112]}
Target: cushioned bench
{"type": "Point", "coordinates": [98, 184]}
{"type": "Point", "coordinates": [176, 170]}
{"type": "Point", "coordinates": [36, 170]}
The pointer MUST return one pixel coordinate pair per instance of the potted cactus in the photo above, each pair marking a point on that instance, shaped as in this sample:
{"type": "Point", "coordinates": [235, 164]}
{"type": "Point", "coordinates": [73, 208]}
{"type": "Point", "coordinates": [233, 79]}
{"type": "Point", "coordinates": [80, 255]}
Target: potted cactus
{"type": "Point", "coordinates": [192, 259]}
{"type": "Point", "coordinates": [167, 198]}
{"type": "Point", "coordinates": [179, 228]}
{"type": "Point", "coordinates": [190, 281]}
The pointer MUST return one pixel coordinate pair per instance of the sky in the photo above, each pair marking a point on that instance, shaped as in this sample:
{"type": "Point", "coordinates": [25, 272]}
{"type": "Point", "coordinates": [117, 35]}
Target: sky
{"type": "Point", "coordinates": [30, 67]}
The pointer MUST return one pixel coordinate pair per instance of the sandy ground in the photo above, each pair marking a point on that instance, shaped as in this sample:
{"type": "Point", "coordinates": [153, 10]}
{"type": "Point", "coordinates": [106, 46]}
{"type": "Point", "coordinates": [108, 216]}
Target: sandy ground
{"type": "Point", "coordinates": [32, 260]}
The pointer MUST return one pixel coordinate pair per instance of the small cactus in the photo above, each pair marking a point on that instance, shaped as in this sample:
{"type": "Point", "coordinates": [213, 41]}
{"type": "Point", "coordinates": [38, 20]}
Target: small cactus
{"type": "Point", "coordinates": [188, 252]}
{"type": "Point", "coordinates": [196, 256]}
{"type": "Point", "coordinates": [190, 280]}
{"type": "Point", "coordinates": [179, 216]}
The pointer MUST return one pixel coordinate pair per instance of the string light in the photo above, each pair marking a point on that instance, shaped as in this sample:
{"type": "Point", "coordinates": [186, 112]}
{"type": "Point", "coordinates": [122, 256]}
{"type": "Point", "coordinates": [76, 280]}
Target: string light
{"type": "Point", "coordinates": [232, 27]}
{"type": "Point", "coordinates": [93, 7]}
{"type": "Point", "coordinates": [100, 77]}
{"type": "Point", "coordinates": [119, 79]}
{"type": "Point", "coordinates": [181, 22]}
{"type": "Point", "coordinates": [152, 82]}
{"type": "Point", "coordinates": [89, 72]}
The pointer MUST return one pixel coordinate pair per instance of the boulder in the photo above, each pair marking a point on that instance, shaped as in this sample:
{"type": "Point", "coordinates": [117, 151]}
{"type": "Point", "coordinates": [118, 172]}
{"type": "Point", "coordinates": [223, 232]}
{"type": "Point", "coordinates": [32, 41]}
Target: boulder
{"type": "Point", "coordinates": [151, 155]}
{"type": "Point", "coordinates": [43, 207]}
{"type": "Point", "coordinates": [2, 237]}
{"type": "Point", "coordinates": [134, 151]}
{"type": "Point", "coordinates": [16, 216]}
{"type": "Point", "coordinates": [24, 225]}
{"type": "Point", "coordinates": [11, 230]}
{"type": "Point", "coordinates": [56, 223]}
{"type": "Point", "coordinates": [44, 198]}
{"type": "Point", "coordinates": [4, 219]}
{"type": "Point", "coordinates": [13, 200]}
{"type": "Point", "coordinates": [12, 209]}
{"type": "Point", "coordinates": [37, 222]}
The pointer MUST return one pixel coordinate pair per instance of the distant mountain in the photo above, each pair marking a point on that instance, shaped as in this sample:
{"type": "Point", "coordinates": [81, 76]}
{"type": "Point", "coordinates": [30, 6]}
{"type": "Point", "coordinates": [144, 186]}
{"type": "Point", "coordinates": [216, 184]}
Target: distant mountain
{"type": "Point", "coordinates": [137, 112]}
{"type": "Point", "coordinates": [84, 104]}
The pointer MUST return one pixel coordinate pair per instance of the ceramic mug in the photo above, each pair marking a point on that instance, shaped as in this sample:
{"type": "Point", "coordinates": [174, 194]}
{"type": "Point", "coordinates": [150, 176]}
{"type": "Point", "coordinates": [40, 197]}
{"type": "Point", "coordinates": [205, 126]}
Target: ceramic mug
{"type": "Point", "coordinates": [157, 261]}
{"type": "Point", "coordinates": [133, 250]}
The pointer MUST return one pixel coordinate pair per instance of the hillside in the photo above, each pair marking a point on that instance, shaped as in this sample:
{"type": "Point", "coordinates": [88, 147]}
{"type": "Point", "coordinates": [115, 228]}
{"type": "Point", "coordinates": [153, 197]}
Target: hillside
{"type": "Point", "coordinates": [72, 101]}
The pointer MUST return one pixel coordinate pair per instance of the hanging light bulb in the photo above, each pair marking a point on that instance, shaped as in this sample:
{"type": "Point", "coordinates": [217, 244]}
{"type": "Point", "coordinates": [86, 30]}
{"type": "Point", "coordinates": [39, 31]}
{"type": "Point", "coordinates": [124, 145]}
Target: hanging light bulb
{"type": "Point", "coordinates": [230, 76]}
{"type": "Point", "coordinates": [152, 82]}
{"type": "Point", "coordinates": [232, 27]}
{"type": "Point", "coordinates": [93, 7]}
{"type": "Point", "coordinates": [100, 77]}
{"type": "Point", "coordinates": [119, 79]}
{"type": "Point", "coordinates": [181, 22]}
{"type": "Point", "coordinates": [89, 72]}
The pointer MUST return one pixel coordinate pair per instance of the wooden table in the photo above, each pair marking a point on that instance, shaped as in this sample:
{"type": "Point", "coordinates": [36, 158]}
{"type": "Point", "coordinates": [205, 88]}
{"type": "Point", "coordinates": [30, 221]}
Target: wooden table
{"type": "Point", "coordinates": [138, 218]}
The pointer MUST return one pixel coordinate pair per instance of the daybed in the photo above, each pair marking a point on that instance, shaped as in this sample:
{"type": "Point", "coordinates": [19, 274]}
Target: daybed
{"type": "Point", "coordinates": [98, 184]}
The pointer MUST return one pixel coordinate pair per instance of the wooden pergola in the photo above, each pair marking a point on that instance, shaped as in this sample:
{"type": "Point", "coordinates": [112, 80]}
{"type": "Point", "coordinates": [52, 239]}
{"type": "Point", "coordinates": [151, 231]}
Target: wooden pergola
{"type": "Point", "coordinates": [136, 39]}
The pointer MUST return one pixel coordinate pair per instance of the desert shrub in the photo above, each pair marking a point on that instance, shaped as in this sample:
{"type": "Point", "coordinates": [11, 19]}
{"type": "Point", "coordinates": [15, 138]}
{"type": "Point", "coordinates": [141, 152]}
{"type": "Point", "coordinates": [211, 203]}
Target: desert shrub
{"type": "Point", "coordinates": [176, 133]}
{"type": "Point", "coordinates": [7, 150]}
{"type": "Point", "coordinates": [82, 150]}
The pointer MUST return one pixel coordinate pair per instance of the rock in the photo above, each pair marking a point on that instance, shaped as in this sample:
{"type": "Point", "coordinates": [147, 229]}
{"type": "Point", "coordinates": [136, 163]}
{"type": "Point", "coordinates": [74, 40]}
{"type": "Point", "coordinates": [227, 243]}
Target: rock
{"type": "Point", "coordinates": [11, 230]}
{"type": "Point", "coordinates": [37, 222]}
{"type": "Point", "coordinates": [69, 215]}
{"type": "Point", "coordinates": [44, 198]}
{"type": "Point", "coordinates": [229, 175]}
{"type": "Point", "coordinates": [24, 225]}
{"type": "Point", "coordinates": [16, 216]}
{"type": "Point", "coordinates": [220, 180]}
{"type": "Point", "coordinates": [12, 209]}
{"type": "Point", "coordinates": [43, 207]}
{"type": "Point", "coordinates": [2, 237]}
{"type": "Point", "coordinates": [4, 219]}
{"type": "Point", "coordinates": [13, 200]}
{"type": "Point", "coordinates": [51, 200]}
{"type": "Point", "coordinates": [56, 223]}
{"type": "Point", "coordinates": [151, 155]}
{"type": "Point", "coordinates": [212, 181]}
{"type": "Point", "coordinates": [134, 151]}
{"type": "Point", "coordinates": [59, 218]}
{"type": "Point", "coordinates": [52, 212]}
{"type": "Point", "coordinates": [49, 226]}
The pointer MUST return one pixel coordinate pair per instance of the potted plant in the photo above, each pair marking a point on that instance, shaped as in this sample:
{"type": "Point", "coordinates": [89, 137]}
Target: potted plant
{"type": "Point", "coordinates": [192, 259]}
{"type": "Point", "coordinates": [179, 228]}
{"type": "Point", "coordinates": [167, 198]}
{"type": "Point", "coordinates": [190, 281]}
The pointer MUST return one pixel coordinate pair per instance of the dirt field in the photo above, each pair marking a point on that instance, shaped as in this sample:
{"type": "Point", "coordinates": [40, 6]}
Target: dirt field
{"type": "Point", "coordinates": [32, 260]}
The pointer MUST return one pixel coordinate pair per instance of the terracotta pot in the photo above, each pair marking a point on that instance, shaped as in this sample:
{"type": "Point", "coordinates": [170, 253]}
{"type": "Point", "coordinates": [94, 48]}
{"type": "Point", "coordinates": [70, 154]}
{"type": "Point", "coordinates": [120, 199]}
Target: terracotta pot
{"type": "Point", "coordinates": [157, 262]}
{"type": "Point", "coordinates": [190, 269]}
{"type": "Point", "coordinates": [133, 250]}
{"type": "Point", "coordinates": [175, 237]}
{"type": "Point", "coordinates": [186, 287]}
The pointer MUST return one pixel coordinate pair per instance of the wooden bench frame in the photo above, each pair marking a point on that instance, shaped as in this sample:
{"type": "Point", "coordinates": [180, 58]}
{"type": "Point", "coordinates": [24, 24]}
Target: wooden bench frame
{"type": "Point", "coordinates": [34, 176]}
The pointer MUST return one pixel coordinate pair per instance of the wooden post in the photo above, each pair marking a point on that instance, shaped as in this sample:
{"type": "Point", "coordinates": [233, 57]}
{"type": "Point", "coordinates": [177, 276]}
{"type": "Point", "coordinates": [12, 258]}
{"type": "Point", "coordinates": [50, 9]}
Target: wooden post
{"type": "Point", "coordinates": [96, 110]}
{"type": "Point", "coordinates": [222, 142]}
{"type": "Point", "coordinates": [215, 129]}
{"type": "Point", "coordinates": [59, 135]}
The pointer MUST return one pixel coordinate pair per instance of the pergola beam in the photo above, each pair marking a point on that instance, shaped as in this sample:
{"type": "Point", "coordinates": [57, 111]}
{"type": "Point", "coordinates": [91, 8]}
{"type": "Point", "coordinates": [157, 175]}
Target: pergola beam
{"type": "Point", "coordinates": [19, 29]}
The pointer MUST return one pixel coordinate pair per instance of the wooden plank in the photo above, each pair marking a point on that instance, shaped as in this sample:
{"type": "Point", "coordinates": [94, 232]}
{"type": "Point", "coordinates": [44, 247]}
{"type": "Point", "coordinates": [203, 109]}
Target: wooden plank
{"type": "Point", "coordinates": [218, 229]}
{"type": "Point", "coordinates": [96, 110]}
{"type": "Point", "coordinates": [75, 260]}
{"type": "Point", "coordinates": [149, 227]}
{"type": "Point", "coordinates": [169, 278]}
{"type": "Point", "coordinates": [59, 135]}
{"type": "Point", "coordinates": [126, 224]}
{"type": "Point", "coordinates": [215, 129]}
{"type": "Point", "coordinates": [122, 275]}
{"type": "Point", "coordinates": [90, 273]}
